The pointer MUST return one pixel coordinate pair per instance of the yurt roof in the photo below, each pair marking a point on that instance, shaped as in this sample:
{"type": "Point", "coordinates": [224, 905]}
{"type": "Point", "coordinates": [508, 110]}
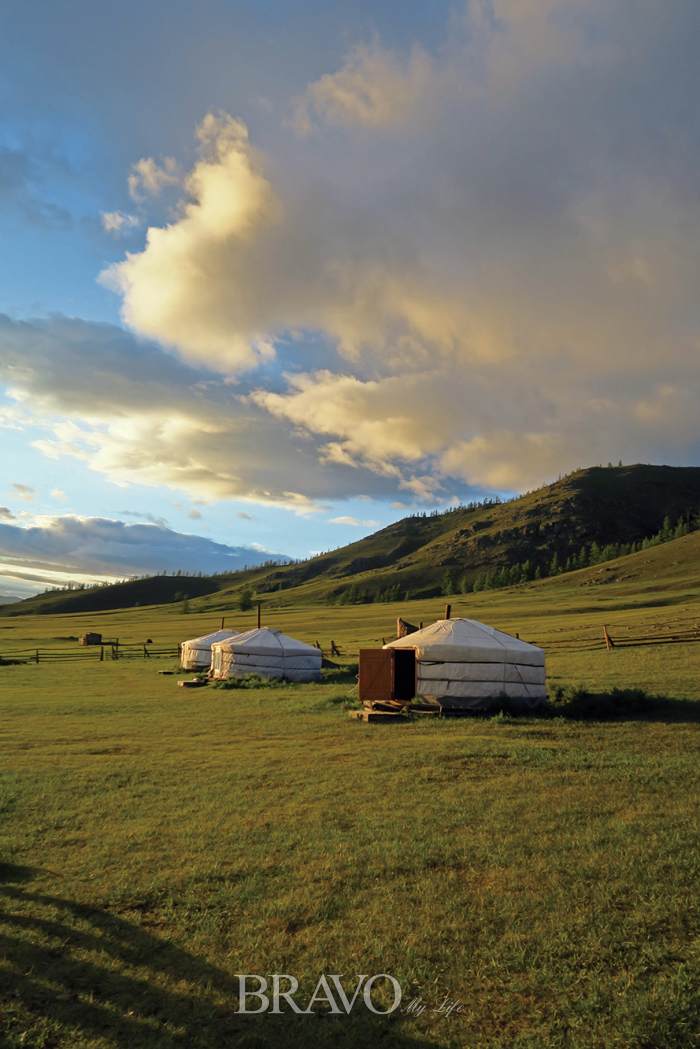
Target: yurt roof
{"type": "Point", "coordinates": [207, 640]}
{"type": "Point", "coordinates": [266, 641]}
{"type": "Point", "coordinates": [468, 641]}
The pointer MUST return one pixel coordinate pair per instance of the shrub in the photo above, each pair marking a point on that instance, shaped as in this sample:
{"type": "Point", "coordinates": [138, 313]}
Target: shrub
{"type": "Point", "coordinates": [245, 601]}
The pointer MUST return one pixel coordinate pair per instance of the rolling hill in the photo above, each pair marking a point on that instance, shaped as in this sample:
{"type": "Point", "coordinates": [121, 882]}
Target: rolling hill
{"type": "Point", "coordinates": [601, 504]}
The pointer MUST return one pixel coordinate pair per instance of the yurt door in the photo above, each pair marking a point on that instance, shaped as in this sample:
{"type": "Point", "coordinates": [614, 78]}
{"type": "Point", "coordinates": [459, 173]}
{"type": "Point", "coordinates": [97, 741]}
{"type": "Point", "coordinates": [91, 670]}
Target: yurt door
{"type": "Point", "coordinates": [375, 675]}
{"type": "Point", "coordinates": [386, 674]}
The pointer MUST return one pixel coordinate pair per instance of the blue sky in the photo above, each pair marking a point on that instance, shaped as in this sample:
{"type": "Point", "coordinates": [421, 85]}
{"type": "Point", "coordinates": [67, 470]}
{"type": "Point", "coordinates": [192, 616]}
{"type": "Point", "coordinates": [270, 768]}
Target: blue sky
{"type": "Point", "coordinates": [273, 275]}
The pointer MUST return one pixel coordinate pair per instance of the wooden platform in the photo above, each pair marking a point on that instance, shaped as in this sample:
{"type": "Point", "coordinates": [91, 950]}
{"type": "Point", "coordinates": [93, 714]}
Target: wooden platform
{"type": "Point", "coordinates": [382, 717]}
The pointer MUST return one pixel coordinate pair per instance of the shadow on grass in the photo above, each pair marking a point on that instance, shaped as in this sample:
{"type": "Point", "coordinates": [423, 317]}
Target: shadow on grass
{"type": "Point", "coordinates": [76, 975]}
{"type": "Point", "coordinates": [576, 703]}
{"type": "Point", "coordinates": [345, 674]}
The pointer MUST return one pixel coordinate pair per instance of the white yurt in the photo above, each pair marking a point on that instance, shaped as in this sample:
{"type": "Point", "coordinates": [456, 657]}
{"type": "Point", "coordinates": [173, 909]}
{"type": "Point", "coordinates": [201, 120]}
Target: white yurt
{"type": "Point", "coordinates": [463, 664]}
{"type": "Point", "coordinates": [266, 652]}
{"type": "Point", "coordinates": [196, 653]}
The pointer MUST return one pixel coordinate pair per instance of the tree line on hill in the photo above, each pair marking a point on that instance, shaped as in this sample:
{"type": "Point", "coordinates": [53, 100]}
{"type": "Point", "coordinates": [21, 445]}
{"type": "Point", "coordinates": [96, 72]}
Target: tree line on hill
{"type": "Point", "coordinates": [512, 575]}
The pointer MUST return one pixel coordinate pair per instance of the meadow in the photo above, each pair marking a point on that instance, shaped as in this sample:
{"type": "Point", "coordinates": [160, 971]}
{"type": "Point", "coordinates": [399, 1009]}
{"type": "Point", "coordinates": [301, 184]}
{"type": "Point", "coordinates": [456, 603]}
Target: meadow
{"type": "Point", "coordinates": [156, 841]}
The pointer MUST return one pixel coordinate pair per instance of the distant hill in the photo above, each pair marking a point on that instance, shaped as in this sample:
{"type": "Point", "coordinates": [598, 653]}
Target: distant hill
{"type": "Point", "coordinates": [156, 590]}
{"type": "Point", "coordinates": [601, 504]}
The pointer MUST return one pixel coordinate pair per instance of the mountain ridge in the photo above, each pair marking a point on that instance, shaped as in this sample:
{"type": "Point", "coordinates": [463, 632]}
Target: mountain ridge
{"type": "Point", "coordinates": [597, 504]}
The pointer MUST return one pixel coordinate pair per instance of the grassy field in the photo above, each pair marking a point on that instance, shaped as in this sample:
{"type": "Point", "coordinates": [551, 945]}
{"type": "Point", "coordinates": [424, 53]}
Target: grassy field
{"type": "Point", "coordinates": [157, 841]}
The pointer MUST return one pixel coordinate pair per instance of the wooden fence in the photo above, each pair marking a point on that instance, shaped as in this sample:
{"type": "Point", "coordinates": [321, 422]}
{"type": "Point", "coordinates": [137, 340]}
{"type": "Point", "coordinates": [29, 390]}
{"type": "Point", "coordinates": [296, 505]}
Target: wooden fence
{"type": "Point", "coordinates": [88, 654]}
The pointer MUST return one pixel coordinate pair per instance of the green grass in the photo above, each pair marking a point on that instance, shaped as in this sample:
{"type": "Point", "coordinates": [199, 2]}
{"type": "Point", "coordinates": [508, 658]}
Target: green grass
{"type": "Point", "coordinates": [156, 841]}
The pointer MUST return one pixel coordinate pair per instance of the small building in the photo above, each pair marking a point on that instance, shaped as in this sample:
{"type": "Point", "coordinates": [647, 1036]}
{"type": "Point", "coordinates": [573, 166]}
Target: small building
{"type": "Point", "coordinates": [266, 652]}
{"type": "Point", "coordinates": [90, 639]}
{"type": "Point", "coordinates": [455, 664]}
{"type": "Point", "coordinates": [196, 653]}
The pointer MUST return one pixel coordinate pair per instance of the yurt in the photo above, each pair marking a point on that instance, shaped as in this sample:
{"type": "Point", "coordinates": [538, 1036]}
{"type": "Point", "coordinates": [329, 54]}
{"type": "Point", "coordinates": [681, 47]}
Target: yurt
{"type": "Point", "coordinates": [463, 664]}
{"type": "Point", "coordinates": [266, 652]}
{"type": "Point", "coordinates": [196, 653]}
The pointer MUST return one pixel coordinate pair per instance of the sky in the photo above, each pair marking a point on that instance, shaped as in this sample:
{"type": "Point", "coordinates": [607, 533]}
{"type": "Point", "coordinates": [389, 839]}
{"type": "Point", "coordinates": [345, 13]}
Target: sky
{"type": "Point", "coordinates": [275, 275]}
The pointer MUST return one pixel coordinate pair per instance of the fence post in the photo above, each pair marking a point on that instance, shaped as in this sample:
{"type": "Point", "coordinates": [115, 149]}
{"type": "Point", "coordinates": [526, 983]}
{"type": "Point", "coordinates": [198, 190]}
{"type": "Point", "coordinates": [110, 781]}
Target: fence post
{"type": "Point", "coordinates": [608, 640]}
{"type": "Point", "coordinates": [37, 655]}
{"type": "Point", "coordinates": [102, 653]}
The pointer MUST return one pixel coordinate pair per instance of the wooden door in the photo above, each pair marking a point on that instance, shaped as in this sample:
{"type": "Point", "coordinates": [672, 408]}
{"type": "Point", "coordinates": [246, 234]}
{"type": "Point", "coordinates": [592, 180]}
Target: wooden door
{"type": "Point", "coordinates": [376, 675]}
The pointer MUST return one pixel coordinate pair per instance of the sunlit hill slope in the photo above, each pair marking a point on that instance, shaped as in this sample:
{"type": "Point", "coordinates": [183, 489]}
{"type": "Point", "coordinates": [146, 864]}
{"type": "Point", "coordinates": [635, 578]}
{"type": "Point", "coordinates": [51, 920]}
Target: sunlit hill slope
{"type": "Point", "coordinates": [601, 504]}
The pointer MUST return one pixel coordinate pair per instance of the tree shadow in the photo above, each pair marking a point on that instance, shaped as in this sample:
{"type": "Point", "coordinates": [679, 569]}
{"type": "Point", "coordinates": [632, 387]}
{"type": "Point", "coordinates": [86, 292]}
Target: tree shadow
{"type": "Point", "coordinates": [79, 975]}
{"type": "Point", "coordinates": [576, 703]}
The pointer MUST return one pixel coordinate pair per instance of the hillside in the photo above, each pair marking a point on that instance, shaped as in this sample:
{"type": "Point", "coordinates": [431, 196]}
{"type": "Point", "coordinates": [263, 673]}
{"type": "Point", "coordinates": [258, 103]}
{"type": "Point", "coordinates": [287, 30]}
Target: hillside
{"type": "Point", "coordinates": [601, 504]}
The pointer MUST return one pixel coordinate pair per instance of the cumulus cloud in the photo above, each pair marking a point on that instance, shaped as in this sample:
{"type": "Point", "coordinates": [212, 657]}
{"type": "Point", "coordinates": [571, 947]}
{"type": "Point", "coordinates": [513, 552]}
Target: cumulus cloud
{"type": "Point", "coordinates": [103, 548]}
{"type": "Point", "coordinates": [483, 268]}
{"type": "Point", "coordinates": [183, 288]}
{"type": "Point", "coordinates": [61, 496]}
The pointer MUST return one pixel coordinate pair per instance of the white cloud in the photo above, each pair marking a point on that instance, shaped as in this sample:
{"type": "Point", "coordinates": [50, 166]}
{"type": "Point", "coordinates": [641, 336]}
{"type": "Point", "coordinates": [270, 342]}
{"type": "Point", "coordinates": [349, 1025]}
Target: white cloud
{"type": "Point", "coordinates": [354, 521]}
{"type": "Point", "coordinates": [483, 268]}
{"type": "Point", "coordinates": [187, 288]}
{"type": "Point", "coordinates": [137, 416]}
{"type": "Point", "coordinates": [25, 492]}
{"type": "Point", "coordinates": [149, 178]}
{"type": "Point", "coordinates": [61, 496]}
{"type": "Point", "coordinates": [103, 548]}
{"type": "Point", "coordinates": [116, 222]}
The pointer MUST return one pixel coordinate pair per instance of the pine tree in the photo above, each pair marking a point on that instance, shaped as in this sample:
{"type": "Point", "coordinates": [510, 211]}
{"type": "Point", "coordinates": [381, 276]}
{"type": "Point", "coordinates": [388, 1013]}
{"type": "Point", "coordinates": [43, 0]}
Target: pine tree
{"type": "Point", "coordinates": [447, 587]}
{"type": "Point", "coordinates": [681, 529]}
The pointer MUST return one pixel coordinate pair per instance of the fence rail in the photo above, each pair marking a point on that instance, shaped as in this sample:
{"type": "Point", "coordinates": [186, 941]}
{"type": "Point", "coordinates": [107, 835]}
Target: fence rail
{"type": "Point", "coordinates": [90, 653]}
{"type": "Point", "coordinates": [116, 650]}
